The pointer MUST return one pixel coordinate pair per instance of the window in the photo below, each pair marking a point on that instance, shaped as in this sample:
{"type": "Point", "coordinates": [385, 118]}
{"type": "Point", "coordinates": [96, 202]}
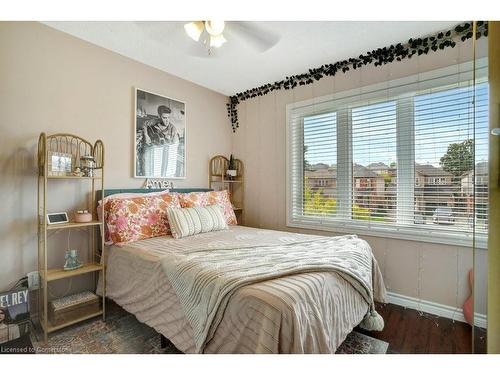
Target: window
{"type": "Point", "coordinates": [320, 158]}
{"type": "Point", "coordinates": [400, 161]}
{"type": "Point", "coordinates": [373, 151]}
{"type": "Point", "coordinates": [444, 155]}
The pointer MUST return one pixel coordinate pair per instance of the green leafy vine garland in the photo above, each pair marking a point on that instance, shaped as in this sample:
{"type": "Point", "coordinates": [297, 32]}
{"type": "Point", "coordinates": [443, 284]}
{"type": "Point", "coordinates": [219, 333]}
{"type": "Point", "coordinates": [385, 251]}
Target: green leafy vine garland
{"type": "Point", "coordinates": [378, 57]}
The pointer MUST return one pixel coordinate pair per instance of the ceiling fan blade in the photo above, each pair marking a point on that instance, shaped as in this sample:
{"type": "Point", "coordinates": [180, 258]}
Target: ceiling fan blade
{"type": "Point", "coordinates": [160, 31]}
{"type": "Point", "coordinates": [255, 35]}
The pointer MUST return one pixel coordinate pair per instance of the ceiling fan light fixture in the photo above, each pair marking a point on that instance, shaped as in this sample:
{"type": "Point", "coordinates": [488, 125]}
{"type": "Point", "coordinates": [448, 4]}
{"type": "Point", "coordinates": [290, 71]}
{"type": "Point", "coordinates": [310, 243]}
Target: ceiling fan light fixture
{"type": "Point", "coordinates": [217, 40]}
{"type": "Point", "coordinates": [194, 30]}
{"type": "Point", "coordinates": [214, 28]}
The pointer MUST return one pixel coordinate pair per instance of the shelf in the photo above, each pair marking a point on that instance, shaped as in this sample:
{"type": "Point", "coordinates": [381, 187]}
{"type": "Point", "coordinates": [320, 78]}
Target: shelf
{"type": "Point", "coordinates": [227, 181]}
{"type": "Point", "coordinates": [59, 273]}
{"type": "Point", "coordinates": [72, 178]}
{"type": "Point", "coordinates": [72, 225]}
{"type": "Point", "coordinates": [51, 328]}
{"type": "Point", "coordinates": [48, 179]}
{"type": "Point", "coordinates": [219, 179]}
{"type": "Point", "coordinates": [222, 178]}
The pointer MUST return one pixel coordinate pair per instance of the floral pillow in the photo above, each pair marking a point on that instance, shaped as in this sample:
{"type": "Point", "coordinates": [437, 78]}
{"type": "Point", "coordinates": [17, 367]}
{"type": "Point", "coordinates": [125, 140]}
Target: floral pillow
{"type": "Point", "coordinates": [107, 240]}
{"type": "Point", "coordinates": [138, 218]}
{"type": "Point", "coordinates": [209, 198]}
{"type": "Point", "coordinates": [130, 195]}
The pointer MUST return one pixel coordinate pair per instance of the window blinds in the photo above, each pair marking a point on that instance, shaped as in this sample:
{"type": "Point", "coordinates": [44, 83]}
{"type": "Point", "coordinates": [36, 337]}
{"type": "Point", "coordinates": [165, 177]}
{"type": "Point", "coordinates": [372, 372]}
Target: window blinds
{"type": "Point", "coordinates": [374, 174]}
{"type": "Point", "coordinates": [406, 156]}
{"type": "Point", "coordinates": [320, 165]}
{"type": "Point", "coordinates": [446, 158]}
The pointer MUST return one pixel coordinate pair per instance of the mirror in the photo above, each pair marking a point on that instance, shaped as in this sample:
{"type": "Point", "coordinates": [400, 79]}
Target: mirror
{"type": "Point", "coordinates": [478, 277]}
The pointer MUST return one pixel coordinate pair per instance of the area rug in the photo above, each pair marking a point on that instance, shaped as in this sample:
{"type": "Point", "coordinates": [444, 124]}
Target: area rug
{"type": "Point", "coordinates": [357, 343]}
{"type": "Point", "coordinates": [122, 333]}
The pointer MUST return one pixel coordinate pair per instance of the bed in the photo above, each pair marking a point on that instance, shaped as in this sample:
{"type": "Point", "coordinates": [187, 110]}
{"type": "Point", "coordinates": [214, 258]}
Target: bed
{"type": "Point", "coordinates": [308, 311]}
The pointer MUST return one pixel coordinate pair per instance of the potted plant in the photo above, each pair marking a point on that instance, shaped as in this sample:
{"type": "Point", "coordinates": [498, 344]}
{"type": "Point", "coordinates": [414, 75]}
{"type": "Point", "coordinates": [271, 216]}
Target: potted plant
{"type": "Point", "coordinates": [231, 169]}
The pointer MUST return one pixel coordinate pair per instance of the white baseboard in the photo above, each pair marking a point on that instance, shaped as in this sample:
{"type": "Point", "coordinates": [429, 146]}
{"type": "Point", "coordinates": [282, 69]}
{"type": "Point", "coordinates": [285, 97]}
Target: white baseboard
{"type": "Point", "coordinates": [434, 308]}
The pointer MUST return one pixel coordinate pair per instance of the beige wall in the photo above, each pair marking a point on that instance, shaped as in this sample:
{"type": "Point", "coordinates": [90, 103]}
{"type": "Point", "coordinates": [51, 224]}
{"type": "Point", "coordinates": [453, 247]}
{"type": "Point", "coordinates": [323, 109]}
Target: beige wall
{"type": "Point", "coordinates": [53, 82]}
{"type": "Point", "coordinates": [411, 268]}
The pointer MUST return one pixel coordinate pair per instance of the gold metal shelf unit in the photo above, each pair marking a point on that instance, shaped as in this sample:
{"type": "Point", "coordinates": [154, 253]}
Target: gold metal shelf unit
{"type": "Point", "coordinates": [73, 224]}
{"type": "Point", "coordinates": [60, 273]}
{"type": "Point", "coordinates": [48, 327]}
{"type": "Point", "coordinates": [73, 178]}
{"type": "Point", "coordinates": [217, 180]}
{"type": "Point", "coordinates": [75, 147]}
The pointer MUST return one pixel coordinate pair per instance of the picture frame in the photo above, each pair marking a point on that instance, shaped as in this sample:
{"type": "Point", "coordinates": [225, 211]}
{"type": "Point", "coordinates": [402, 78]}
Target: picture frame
{"type": "Point", "coordinates": [159, 136]}
{"type": "Point", "coordinates": [59, 164]}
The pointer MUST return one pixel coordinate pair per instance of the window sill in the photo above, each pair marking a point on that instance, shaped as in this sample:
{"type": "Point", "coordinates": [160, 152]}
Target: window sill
{"type": "Point", "coordinates": [396, 232]}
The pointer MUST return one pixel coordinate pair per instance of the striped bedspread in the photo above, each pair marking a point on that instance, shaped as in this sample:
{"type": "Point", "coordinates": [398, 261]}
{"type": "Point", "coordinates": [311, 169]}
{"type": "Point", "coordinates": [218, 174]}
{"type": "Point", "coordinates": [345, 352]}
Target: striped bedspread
{"type": "Point", "coordinates": [307, 312]}
{"type": "Point", "coordinates": [205, 279]}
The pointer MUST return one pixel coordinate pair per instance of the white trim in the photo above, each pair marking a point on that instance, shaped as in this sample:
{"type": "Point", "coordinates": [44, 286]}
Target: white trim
{"type": "Point", "coordinates": [392, 231]}
{"type": "Point", "coordinates": [344, 164]}
{"type": "Point", "coordinates": [429, 307]}
{"type": "Point", "coordinates": [397, 89]}
{"type": "Point", "coordinates": [405, 144]}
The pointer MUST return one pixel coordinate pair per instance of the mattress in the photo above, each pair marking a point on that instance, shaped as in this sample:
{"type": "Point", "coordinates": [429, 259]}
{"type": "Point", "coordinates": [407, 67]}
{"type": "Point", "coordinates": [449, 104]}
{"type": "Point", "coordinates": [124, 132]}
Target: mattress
{"type": "Point", "coordinates": [305, 313]}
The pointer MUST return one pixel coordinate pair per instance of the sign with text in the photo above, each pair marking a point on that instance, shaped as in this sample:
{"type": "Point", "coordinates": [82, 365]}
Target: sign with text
{"type": "Point", "coordinates": [14, 314]}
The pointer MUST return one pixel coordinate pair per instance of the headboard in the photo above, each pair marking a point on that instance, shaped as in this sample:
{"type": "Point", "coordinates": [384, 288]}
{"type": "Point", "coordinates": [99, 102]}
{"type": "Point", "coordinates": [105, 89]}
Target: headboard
{"type": "Point", "coordinates": [107, 192]}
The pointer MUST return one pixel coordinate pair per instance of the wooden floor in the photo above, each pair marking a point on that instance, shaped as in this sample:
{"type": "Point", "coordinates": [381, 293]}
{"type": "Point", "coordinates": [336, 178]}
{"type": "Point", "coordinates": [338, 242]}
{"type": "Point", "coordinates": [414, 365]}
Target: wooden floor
{"type": "Point", "coordinates": [408, 331]}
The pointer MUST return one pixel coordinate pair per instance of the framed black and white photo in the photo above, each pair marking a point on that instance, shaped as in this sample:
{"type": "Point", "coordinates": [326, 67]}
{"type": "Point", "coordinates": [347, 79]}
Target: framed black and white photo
{"type": "Point", "coordinates": [160, 136]}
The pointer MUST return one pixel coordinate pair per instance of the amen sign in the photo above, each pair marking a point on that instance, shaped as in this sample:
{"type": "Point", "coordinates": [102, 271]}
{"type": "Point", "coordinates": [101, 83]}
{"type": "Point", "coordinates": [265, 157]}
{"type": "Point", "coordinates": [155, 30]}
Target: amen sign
{"type": "Point", "coordinates": [10, 299]}
{"type": "Point", "coordinates": [157, 183]}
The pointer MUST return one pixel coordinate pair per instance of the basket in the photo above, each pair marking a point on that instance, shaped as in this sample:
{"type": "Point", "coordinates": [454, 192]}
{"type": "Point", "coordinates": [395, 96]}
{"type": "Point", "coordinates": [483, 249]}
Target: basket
{"type": "Point", "coordinates": [73, 307]}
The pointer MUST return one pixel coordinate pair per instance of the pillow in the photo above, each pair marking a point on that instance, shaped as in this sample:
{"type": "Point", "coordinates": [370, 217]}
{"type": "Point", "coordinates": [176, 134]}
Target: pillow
{"type": "Point", "coordinates": [130, 195]}
{"type": "Point", "coordinates": [209, 198]}
{"type": "Point", "coordinates": [107, 240]}
{"type": "Point", "coordinates": [134, 219]}
{"type": "Point", "coordinates": [194, 220]}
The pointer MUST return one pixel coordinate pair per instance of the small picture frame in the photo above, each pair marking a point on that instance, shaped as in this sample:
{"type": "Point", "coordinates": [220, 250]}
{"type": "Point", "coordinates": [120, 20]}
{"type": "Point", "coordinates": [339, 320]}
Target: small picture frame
{"type": "Point", "coordinates": [60, 164]}
{"type": "Point", "coordinates": [57, 218]}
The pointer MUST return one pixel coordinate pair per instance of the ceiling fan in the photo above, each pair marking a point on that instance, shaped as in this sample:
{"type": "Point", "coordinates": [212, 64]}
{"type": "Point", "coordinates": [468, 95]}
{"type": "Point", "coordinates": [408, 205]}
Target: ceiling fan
{"type": "Point", "coordinates": [212, 34]}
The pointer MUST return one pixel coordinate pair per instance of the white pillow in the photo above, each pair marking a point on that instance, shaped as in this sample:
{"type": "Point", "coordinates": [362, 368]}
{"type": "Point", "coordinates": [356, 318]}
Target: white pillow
{"type": "Point", "coordinates": [194, 220]}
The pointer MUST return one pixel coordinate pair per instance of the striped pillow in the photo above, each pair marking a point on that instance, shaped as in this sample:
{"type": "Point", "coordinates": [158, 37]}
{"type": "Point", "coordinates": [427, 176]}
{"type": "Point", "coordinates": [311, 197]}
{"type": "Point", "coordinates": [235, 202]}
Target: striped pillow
{"type": "Point", "coordinates": [194, 220]}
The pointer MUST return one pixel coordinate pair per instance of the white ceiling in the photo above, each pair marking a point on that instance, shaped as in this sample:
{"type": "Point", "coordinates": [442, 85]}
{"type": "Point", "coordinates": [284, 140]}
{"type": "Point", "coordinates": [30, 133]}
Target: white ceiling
{"type": "Point", "coordinates": [237, 66]}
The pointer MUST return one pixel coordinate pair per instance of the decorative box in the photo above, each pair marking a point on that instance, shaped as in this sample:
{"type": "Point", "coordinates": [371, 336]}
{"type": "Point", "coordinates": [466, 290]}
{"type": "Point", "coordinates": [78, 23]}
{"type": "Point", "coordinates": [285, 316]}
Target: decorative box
{"type": "Point", "coordinates": [83, 216]}
{"type": "Point", "coordinates": [73, 307]}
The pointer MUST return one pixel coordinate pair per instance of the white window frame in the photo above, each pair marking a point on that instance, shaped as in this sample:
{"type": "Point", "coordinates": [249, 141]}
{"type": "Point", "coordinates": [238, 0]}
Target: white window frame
{"type": "Point", "coordinates": [402, 90]}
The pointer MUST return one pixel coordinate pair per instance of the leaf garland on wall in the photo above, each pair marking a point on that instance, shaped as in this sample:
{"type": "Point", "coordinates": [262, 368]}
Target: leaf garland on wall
{"type": "Point", "coordinates": [377, 57]}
